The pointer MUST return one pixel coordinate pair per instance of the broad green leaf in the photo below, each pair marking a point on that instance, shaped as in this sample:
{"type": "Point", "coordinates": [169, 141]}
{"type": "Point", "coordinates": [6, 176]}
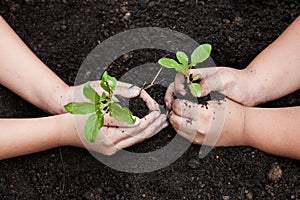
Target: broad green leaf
{"type": "Point", "coordinates": [173, 64]}
{"type": "Point", "coordinates": [90, 93]}
{"type": "Point", "coordinates": [92, 127]}
{"type": "Point", "coordinates": [80, 107]}
{"type": "Point", "coordinates": [182, 58]}
{"type": "Point", "coordinates": [195, 89]}
{"type": "Point", "coordinates": [168, 63]}
{"type": "Point", "coordinates": [121, 114]}
{"type": "Point", "coordinates": [200, 54]}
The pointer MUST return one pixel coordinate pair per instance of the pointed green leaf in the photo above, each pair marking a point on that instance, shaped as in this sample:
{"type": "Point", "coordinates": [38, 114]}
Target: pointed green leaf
{"type": "Point", "coordinates": [92, 127]}
{"type": "Point", "coordinates": [182, 58]}
{"type": "Point", "coordinates": [90, 93]}
{"type": "Point", "coordinates": [80, 108]}
{"type": "Point", "coordinates": [195, 89]}
{"type": "Point", "coordinates": [200, 54]}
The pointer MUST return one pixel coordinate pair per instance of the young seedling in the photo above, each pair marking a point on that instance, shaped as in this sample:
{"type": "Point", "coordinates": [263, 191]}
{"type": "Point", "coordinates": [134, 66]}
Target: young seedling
{"type": "Point", "coordinates": [200, 54]}
{"type": "Point", "coordinates": [98, 106]}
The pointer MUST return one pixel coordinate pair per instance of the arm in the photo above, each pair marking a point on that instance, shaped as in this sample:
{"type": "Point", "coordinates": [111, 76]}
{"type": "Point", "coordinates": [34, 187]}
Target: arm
{"type": "Point", "coordinates": [26, 75]}
{"type": "Point", "coordinates": [275, 131]}
{"type": "Point", "coordinates": [25, 136]}
{"type": "Point", "coordinates": [275, 71]}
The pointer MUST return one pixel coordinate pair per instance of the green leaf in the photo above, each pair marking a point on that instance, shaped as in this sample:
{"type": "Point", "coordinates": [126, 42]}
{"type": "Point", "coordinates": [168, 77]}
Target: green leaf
{"type": "Point", "coordinates": [103, 96]}
{"type": "Point", "coordinates": [92, 127]}
{"type": "Point", "coordinates": [182, 58]}
{"type": "Point", "coordinates": [106, 78]}
{"type": "Point", "coordinates": [173, 64]}
{"type": "Point", "coordinates": [100, 118]}
{"type": "Point", "coordinates": [195, 89]}
{"type": "Point", "coordinates": [90, 93]}
{"type": "Point", "coordinates": [80, 107]}
{"type": "Point", "coordinates": [121, 114]}
{"type": "Point", "coordinates": [104, 85]}
{"type": "Point", "coordinates": [168, 63]}
{"type": "Point", "coordinates": [201, 53]}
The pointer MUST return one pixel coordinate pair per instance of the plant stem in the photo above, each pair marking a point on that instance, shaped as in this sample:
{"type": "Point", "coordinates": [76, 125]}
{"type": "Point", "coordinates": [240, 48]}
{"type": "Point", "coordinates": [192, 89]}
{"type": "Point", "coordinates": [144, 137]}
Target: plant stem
{"type": "Point", "coordinates": [152, 82]}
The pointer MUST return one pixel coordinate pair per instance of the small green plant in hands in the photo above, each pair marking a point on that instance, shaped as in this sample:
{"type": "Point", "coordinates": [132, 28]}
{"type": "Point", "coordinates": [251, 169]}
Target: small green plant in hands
{"type": "Point", "coordinates": [98, 106]}
{"type": "Point", "coordinates": [200, 54]}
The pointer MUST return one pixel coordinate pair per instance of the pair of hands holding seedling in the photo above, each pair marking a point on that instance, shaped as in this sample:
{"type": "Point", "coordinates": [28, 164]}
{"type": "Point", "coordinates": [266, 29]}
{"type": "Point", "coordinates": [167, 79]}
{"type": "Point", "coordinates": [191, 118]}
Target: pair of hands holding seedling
{"type": "Point", "coordinates": [116, 124]}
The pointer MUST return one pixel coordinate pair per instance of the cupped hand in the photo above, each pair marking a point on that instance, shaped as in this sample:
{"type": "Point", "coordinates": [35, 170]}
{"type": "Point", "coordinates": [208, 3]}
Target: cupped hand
{"type": "Point", "coordinates": [115, 135]}
{"type": "Point", "coordinates": [219, 123]}
{"type": "Point", "coordinates": [233, 83]}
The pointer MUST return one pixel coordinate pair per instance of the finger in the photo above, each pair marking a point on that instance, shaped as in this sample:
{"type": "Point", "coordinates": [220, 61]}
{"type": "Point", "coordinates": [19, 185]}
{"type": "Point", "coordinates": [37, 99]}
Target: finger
{"type": "Point", "coordinates": [127, 90]}
{"type": "Point", "coordinates": [150, 102]}
{"type": "Point", "coordinates": [150, 131]}
{"type": "Point", "coordinates": [114, 135]}
{"type": "Point", "coordinates": [169, 96]}
{"type": "Point", "coordinates": [187, 125]}
{"type": "Point", "coordinates": [110, 121]}
{"type": "Point", "coordinates": [183, 124]}
{"type": "Point", "coordinates": [204, 72]}
{"type": "Point", "coordinates": [179, 84]}
{"type": "Point", "coordinates": [186, 109]}
{"type": "Point", "coordinates": [212, 83]}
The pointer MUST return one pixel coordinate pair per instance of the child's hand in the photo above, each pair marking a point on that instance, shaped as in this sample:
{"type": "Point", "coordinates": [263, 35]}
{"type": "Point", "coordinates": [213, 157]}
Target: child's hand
{"type": "Point", "coordinates": [220, 123]}
{"type": "Point", "coordinates": [233, 83]}
{"type": "Point", "coordinates": [115, 135]}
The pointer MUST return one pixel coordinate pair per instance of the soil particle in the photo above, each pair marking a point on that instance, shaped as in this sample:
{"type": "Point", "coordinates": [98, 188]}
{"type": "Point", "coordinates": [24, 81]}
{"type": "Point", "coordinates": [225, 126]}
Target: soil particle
{"type": "Point", "coordinates": [193, 163]}
{"type": "Point", "coordinates": [94, 194]}
{"type": "Point", "coordinates": [275, 173]}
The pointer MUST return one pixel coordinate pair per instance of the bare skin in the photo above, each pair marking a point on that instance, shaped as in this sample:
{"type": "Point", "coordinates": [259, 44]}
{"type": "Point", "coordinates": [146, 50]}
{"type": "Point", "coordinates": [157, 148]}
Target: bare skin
{"type": "Point", "coordinates": [272, 74]}
{"type": "Point", "coordinates": [26, 75]}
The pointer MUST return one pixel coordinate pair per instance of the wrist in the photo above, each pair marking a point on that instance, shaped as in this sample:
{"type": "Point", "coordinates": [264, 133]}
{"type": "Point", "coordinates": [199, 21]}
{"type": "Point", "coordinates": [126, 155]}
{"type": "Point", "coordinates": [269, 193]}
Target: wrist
{"type": "Point", "coordinates": [60, 97]}
{"type": "Point", "coordinates": [68, 132]}
{"type": "Point", "coordinates": [249, 87]}
{"type": "Point", "coordinates": [233, 133]}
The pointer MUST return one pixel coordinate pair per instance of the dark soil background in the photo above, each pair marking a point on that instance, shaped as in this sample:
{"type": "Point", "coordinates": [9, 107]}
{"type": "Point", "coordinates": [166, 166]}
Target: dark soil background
{"type": "Point", "coordinates": [62, 33]}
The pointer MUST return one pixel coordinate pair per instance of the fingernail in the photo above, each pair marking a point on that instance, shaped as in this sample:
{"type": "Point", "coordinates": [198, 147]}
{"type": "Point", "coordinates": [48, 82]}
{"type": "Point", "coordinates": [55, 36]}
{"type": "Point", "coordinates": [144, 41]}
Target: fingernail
{"type": "Point", "coordinates": [135, 90]}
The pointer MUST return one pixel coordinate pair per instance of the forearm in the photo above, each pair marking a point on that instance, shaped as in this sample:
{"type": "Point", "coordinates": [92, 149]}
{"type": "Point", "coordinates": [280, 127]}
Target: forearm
{"type": "Point", "coordinates": [276, 130]}
{"type": "Point", "coordinates": [25, 136]}
{"type": "Point", "coordinates": [26, 75]}
{"type": "Point", "coordinates": [275, 71]}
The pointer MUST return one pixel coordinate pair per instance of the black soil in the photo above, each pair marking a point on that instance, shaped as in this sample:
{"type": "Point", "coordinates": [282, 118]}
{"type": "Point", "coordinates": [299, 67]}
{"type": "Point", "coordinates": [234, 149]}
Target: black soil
{"type": "Point", "coordinates": [62, 33]}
